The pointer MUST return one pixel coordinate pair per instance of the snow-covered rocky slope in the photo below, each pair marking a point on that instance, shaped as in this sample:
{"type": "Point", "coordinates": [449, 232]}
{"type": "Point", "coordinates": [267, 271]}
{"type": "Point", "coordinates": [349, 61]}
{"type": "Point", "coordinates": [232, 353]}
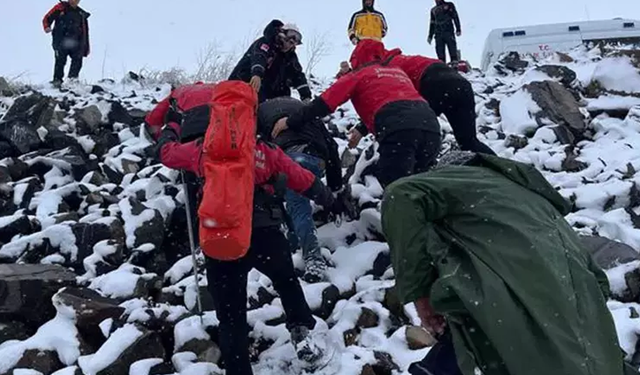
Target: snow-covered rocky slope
{"type": "Point", "coordinates": [78, 190]}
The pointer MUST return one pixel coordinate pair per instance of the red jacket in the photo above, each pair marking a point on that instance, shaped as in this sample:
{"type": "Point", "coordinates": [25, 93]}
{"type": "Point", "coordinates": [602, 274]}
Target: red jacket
{"type": "Point", "coordinates": [175, 155]}
{"type": "Point", "coordinates": [370, 86]}
{"type": "Point", "coordinates": [187, 97]}
{"type": "Point", "coordinates": [413, 65]}
{"type": "Point", "coordinates": [270, 161]}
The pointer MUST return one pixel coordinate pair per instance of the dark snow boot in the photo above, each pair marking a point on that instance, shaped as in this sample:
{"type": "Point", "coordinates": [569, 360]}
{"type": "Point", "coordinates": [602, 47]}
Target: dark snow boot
{"type": "Point", "coordinates": [315, 269]}
{"type": "Point", "coordinates": [314, 348]}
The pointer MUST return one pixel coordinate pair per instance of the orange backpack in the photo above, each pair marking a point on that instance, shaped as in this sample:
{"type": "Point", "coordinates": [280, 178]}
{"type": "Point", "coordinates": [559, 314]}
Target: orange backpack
{"type": "Point", "coordinates": [228, 162]}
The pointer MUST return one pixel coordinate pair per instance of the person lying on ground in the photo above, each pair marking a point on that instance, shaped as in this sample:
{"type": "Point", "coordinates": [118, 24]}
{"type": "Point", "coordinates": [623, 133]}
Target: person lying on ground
{"type": "Point", "coordinates": [390, 107]}
{"type": "Point", "coordinates": [480, 244]}
{"type": "Point", "coordinates": [271, 65]}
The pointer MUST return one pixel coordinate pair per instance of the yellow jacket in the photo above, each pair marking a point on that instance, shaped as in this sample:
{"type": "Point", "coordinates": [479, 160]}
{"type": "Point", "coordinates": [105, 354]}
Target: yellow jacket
{"type": "Point", "coordinates": [367, 24]}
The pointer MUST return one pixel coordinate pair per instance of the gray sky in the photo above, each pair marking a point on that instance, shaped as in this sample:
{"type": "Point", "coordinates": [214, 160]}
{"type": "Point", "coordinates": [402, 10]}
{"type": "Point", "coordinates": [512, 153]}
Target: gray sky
{"type": "Point", "coordinates": [129, 35]}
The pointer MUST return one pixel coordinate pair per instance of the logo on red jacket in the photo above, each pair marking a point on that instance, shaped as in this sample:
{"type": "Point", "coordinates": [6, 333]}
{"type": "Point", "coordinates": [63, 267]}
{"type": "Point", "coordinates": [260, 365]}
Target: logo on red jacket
{"type": "Point", "coordinates": [265, 47]}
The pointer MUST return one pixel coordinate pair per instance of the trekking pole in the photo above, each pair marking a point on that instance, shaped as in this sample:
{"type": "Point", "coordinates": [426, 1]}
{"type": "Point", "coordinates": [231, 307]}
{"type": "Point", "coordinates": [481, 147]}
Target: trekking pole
{"type": "Point", "coordinates": [192, 242]}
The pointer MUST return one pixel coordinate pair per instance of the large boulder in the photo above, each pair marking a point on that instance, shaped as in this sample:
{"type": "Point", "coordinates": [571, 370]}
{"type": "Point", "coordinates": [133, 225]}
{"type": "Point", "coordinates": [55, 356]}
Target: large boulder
{"type": "Point", "coordinates": [19, 125]}
{"type": "Point", "coordinates": [26, 291]}
{"type": "Point", "coordinates": [566, 76]}
{"type": "Point", "coordinates": [125, 346]}
{"type": "Point", "coordinates": [142, 225]}
{"type": "Point", "coordinates": [44, 361]}
{"type": "Point", "coordinates": [512, 62]}
{"type": "Point", "coordinates": [88, 120]}
{"type": "Point", "coordinates": [557, 105]}
{"type": "Point", "coordinates": [90, 310]}
{"type": "Point", "coordinates": [5, 89]}
{"type": "Point", "coordinates": [608, 253]}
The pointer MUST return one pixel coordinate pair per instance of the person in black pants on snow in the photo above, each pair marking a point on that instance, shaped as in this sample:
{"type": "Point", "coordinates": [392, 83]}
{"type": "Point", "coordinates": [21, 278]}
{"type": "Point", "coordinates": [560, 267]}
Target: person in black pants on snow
{"type": "Point", "coordinates": [70, 37]}
{"type": "Point", "coordinates": [271, 65]}
{"type": "Point", "coordinates": [444, 17]}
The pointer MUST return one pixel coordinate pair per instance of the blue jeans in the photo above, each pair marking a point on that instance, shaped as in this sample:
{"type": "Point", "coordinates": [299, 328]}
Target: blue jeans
{"type": "Point", "coordinates": [300, 211]}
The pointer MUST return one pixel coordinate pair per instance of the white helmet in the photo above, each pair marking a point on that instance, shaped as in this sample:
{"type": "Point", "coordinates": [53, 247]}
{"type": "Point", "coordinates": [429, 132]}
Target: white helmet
{"type": "Point", "coordinates": [290, 29]}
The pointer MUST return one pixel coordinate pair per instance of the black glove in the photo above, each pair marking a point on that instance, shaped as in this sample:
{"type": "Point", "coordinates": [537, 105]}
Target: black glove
{"type": "Point", "coordinates": [167, 134]}
{"type": "Point", "coordinates": [279, 183]}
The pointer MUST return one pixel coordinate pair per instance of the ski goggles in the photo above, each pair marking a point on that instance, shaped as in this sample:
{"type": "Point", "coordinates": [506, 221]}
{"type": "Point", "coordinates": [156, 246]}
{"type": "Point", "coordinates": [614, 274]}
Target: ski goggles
{"type": "Point", "coordinates": [294, 37]}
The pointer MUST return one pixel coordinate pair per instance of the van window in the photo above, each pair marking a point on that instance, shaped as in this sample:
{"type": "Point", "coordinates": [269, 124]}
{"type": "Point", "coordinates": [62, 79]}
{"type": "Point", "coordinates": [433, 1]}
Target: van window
{"type": "Point", "coordinates": [628, 25]}
{"type": "Point", "coordinates": [574, 28]}
{"type": "Point", "coordinates": [507, 34]}
{"type": "Point", "coordinates": [521, 32]}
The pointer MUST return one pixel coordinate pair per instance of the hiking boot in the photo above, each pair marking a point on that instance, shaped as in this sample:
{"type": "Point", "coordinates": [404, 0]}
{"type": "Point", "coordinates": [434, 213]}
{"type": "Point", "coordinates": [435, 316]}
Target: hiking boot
{"type": "Point", "coordinates": [313, 348]}
{"type": "Point", "coordinates": [57, 83]}
{"type": "Point", "coordinates": [315, 269]}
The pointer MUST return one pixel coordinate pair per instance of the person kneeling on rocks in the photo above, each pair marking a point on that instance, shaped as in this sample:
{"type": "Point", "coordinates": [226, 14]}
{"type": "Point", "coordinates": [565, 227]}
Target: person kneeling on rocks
{"type": "Point", "coordinates": [186, 112]}
{"type": "Point", "coordinates": [384, 97]}
{"type": "Point", "coordinates": [507, 283]}
{"type": "Point", "coordinates": [315, 149]}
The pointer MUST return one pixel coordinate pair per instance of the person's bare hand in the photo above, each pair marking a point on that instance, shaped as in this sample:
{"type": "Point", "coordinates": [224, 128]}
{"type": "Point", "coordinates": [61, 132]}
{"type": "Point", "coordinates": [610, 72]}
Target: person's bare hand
{"type": "Point", "coordinates": [434, 323]}
{"type": "Point", "coordinates": [354, 138]}
{"type": "Point", "coordinates": [47, 30]}
{"type": "Point", "coordinates": [279, 127]}
{"type": "Point", "coordinates": [256, 82]}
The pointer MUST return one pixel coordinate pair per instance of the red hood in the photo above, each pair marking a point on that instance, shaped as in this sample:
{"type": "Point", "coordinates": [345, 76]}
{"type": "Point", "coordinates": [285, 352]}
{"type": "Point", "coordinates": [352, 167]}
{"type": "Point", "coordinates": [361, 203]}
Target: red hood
{"type": "Point", "coordinates": [392, 53]}
{"type": "Point", "coordinates": [367, 51]}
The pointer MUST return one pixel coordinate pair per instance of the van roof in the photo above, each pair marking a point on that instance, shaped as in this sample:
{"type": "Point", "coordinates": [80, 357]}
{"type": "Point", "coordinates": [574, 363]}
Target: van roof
{"type": "Point", "coordinates": [583, 24]}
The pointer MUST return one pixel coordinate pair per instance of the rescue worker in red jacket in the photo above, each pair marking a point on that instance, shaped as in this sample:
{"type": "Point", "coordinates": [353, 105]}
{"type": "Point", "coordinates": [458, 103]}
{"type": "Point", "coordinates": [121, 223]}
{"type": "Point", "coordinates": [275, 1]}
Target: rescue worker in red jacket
{"type": "Point", "coordinates": [178, 123]}
{"type": "Point", "coordinates": [446, 90]}
{"type": "Point", "coordinates": [389, 106]}
{"type": "Point", "coordinates": [70, 37]}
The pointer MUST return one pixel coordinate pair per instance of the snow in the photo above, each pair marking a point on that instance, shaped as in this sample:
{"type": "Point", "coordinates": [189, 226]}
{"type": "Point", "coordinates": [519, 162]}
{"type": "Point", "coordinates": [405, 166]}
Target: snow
{"type": "Point", "coordinates": [189, 329]}
{"type": "Point", "coordinates": [144, 366]}
{"type": "Point", "coordinates": [133, 222]}
{"type": "Point", "coordinates": [518, 112]}
{"type": "Point", "coordinates": [617, 74]}
{"type": "Point", "coordinates": [610, 102]}
{"type": "Point", "coordinates": [58, 335]}
{"type": "Point", "coordinates": [356, 261]}
{"type": "Point", "coordinates": [179, 270]}
{"type": "Point", "coordinates": [609, 151]}
{"type": "Point", "coordinates": [60, 236]}
{"type": "Point", "coordinates": [108, 353]}
{"type": "Point", "coordinates": [71, 370]}
{"type": "Point", "coordinates": [120, 283]}
{"type": "Point", "coordinates": [616, 278]}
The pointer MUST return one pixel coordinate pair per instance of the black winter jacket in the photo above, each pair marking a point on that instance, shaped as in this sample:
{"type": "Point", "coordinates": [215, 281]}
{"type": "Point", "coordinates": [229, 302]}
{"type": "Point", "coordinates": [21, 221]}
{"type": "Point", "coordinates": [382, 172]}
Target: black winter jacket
{"type": "Point", "coordinates": [279, 71]}
{"type": "Point", "coordinates": [444, 17]}
{"type": "Point", "coordinates": [70, 27]}
{"type": "Point", "coordinates": [313, 138]}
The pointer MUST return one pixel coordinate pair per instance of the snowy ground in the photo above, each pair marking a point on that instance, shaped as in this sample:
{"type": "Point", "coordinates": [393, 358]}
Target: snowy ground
{"type": "Point", "coordinates": [140, 206]}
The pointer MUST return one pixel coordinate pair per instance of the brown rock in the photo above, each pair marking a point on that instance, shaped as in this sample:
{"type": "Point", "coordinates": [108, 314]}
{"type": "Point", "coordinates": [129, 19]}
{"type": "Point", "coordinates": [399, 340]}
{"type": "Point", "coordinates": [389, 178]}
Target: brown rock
{"type": "Point", "coordinates": [418, 338]}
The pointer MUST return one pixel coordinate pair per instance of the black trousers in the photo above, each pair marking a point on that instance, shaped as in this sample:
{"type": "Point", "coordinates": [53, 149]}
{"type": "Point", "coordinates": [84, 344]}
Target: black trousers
{"type": "Point", "coordinates": [450, 93]}
{"type": "Point", "coordinates": [406, 152]}
{"type": "Point", "coordinates": [441, 360]}
{"type": "Point", "coordinates": [269, 254]}
{"type": "Point", "coordinates": [447, 40]}
{"type": "Point", "coordinates": [61, 55]}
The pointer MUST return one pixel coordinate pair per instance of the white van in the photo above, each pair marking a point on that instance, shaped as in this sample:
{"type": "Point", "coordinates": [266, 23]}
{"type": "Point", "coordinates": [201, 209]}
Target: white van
{"type": "Point", "coordinates": [542, 40]}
